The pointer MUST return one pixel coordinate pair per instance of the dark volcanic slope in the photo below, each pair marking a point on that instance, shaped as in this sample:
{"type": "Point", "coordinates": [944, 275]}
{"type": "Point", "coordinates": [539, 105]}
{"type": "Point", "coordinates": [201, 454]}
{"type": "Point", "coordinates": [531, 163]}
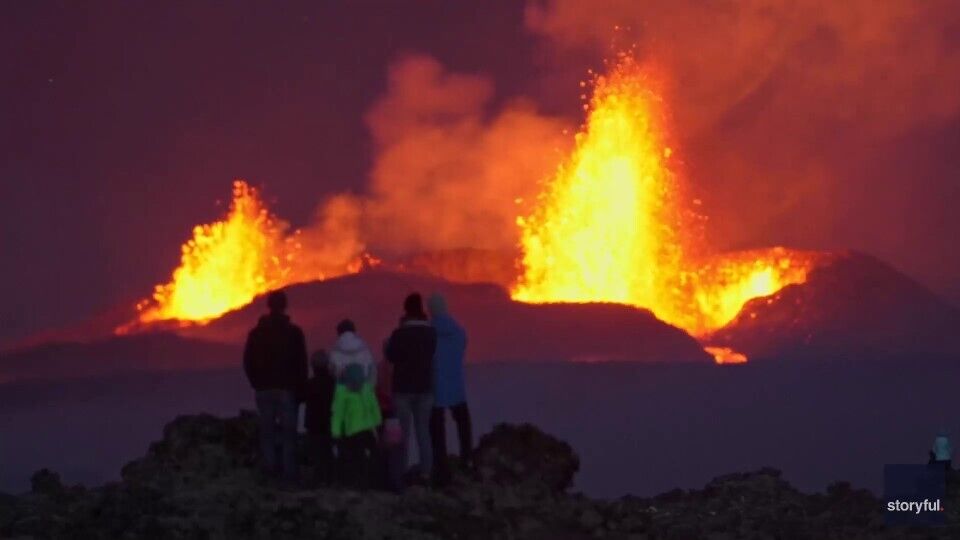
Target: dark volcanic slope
{"type": "Point", "coordinates": [499, 329]}
{"type": "Point", "coordinates": [855, 307]}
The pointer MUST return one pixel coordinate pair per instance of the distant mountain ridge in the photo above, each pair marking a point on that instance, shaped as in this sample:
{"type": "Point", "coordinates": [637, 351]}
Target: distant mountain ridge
{"type": "Point", "coordinates": [853, 307]}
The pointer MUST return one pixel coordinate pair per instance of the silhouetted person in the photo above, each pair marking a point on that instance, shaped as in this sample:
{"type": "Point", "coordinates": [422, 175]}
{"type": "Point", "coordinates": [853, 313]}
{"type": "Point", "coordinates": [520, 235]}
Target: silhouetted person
{"type": "Point", "coordinates": [410, 349]}
{"type": "Point", "coordinates": [319, 401]}
{"type": "Point", "coordinates": [448, 387]}
{"type": "Point", "coordinates": [941, 452]}
{"type": "Point", "coordinates": [275, 360]}
{"type": "Point", "coordinates": [392, 447]}
{"type": "Point", "coordinates": [393, 453]}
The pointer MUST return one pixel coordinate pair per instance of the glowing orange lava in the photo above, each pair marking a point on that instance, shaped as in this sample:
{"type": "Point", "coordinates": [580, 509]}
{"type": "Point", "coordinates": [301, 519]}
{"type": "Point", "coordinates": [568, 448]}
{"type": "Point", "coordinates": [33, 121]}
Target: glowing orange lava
{"type": "Point", "coordinates": [609, 227]}
{"type": "Point", "coordinates": [726, 355]}
{"type": "Point", "coordinates": [229, 262]}
{"type": "Point", "coordinates": [612, 225]}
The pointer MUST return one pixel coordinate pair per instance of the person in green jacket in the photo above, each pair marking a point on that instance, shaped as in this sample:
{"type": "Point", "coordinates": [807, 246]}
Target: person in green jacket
{"type": "Point", "coordinates": [355, 415]}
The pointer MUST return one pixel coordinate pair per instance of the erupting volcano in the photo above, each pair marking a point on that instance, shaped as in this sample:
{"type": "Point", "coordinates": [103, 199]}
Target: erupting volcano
{"type": "Point", "coordinates": [613, 225]}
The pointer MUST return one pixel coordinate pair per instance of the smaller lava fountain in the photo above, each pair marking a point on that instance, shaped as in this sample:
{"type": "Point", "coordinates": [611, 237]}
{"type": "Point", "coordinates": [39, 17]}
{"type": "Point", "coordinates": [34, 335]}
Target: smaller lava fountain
{"type": "Point", "coordinates": [226, 264]}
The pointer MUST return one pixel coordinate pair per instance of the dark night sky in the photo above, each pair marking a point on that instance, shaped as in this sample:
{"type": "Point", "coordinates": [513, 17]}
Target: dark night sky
{"type": "Point", "coordinates": [122, 123]}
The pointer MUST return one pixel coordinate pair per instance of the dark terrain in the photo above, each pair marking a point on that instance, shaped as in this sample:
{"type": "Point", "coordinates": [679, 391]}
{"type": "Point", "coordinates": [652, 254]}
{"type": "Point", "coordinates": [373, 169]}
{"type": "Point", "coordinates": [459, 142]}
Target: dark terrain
{"type": "Point", "coordinates": [200, 482]}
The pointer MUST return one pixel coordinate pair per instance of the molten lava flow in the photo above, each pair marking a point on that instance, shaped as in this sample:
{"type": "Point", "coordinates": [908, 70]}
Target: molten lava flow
{"type": "Point", "coordinates": [229, 262]}
{"type": "Point", "coordinates": [610, 226]}
{"type": "Point", "coordinates": [726, 355]}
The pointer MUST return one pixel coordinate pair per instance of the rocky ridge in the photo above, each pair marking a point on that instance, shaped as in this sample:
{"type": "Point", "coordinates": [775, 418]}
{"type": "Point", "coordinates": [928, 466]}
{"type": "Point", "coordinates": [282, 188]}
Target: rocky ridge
{"type": "Point", "coordinates": [200, 481]}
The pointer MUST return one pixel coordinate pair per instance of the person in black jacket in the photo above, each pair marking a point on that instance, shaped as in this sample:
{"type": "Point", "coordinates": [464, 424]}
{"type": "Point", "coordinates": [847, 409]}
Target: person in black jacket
{"type": "Point", "coordinates": [275, 360]}
{"type": "Point", "coordinates": [318, 400]}
{"type": "Point", "coordinates": [410, 349]}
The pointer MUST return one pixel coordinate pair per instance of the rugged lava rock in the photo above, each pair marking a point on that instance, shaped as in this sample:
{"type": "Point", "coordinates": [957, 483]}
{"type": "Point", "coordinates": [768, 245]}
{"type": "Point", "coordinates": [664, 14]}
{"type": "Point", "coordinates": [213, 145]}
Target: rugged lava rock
{"type": "Point", "coordinates": [200, 482]}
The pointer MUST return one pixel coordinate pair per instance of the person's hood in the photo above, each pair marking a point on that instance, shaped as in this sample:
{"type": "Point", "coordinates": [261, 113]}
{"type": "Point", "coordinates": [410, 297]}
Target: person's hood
{"type": "Point", "coordinates": [349, 343]}
{"type": "Point", "coordinates": [445, 325]}
{"type": "Point", "coordinates": [437, 305]}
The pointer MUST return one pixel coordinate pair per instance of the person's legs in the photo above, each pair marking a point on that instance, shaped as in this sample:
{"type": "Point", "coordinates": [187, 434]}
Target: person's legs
{"type": "Point", "coordinates": [396, 462]}
{"type": "Point", "coordinates": [461, 415]}
{"type": "Point", "coordinates": [289, 414]}
{"type": "Point", "coordinates": [423, 407]}
{"type": "Point", "coordinates": [352, 459]}
{"type": "Point", "coordinates": [267, 409]}
{"type": "Point", "coordinates": [438, 438]}
{"type": "Point", "coordinates": [321, 456]}
{"type": "Point", "coordinates": [404, 406]}
{"type": "Point", "coordinates": [370, 456]}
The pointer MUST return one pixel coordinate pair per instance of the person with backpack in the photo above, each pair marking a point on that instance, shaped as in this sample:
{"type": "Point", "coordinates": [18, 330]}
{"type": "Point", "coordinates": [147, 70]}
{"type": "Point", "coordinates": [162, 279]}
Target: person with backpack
{"type": "Point", "coordinates": [318, 400]}
{"type": "Point", "coordinates": [275, 362]}
{"type": "Point", "coordinates": [350, 349]}
{"type": "Point", "coordinates": [410, 350]}
{"type": "Point", "coordinates": [355, 417]}
{"type": "Point", "coordinates": [448, 388]}
{"type": "Point", "coordinates": [355, 413]}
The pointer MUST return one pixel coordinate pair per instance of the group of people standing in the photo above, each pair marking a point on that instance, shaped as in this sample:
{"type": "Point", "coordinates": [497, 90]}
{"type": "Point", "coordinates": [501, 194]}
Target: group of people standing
{"type": "Point", "coordinates": [359, 413]}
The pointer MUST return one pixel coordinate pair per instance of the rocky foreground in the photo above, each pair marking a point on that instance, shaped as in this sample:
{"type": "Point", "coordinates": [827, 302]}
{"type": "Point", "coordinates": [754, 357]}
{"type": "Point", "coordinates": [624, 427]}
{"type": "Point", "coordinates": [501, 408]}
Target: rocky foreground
{"type": "Point", "coordinates": [200, 482]}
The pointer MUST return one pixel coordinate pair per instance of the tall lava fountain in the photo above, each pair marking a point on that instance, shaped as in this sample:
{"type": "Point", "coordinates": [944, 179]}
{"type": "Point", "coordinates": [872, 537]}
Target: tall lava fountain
{"type": "Point", "coordinates": [612, 225]}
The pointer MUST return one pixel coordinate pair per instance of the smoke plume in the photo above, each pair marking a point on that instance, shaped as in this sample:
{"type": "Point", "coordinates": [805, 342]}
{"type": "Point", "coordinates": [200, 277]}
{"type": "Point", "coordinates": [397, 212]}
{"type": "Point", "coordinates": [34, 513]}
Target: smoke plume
{"type": "Point", "coordinates": [878, 66]}
{"type": "Point", "coordinates": [449, 170]}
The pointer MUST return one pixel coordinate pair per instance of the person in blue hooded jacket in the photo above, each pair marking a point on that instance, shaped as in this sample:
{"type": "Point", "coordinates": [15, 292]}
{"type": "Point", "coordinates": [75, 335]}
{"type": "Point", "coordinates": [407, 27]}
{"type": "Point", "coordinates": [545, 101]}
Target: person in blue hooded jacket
{"type": "Point", "coordinates": [448, 387]}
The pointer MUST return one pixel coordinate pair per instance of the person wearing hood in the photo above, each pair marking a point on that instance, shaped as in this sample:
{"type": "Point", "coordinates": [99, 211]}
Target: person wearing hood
{"type": "Point", "coordinates": [275, 362]}
{"type": "Point", "coordinates": [448, 387]}
{"type": "Point", "coordinates": [355, 413]}
{"type": "Point", "coordinates": [350, 349]}
{"type": "Point", "coordinates": [410, 350]}
{"type": "Point", "coordinates": [941, 452]}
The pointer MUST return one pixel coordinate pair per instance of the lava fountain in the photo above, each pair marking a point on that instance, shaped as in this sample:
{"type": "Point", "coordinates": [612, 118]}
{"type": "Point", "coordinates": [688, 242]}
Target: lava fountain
{"type": "Point", "coordinates": [227, 263]}
{"type": "Point", "coordinates": [612, 225]}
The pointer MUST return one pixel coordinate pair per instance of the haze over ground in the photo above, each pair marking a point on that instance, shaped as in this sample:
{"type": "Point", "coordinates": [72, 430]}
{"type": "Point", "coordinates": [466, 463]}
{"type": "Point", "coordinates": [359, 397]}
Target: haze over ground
{"type": "Point", "coordinates": [641, 429]}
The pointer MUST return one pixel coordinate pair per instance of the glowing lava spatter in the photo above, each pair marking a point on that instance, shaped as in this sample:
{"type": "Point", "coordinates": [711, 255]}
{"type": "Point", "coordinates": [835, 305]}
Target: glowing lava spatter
{"type": "Point", "coordinates": [226, 264]}
{"type": "Point", "coordinates": [610, 226]}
